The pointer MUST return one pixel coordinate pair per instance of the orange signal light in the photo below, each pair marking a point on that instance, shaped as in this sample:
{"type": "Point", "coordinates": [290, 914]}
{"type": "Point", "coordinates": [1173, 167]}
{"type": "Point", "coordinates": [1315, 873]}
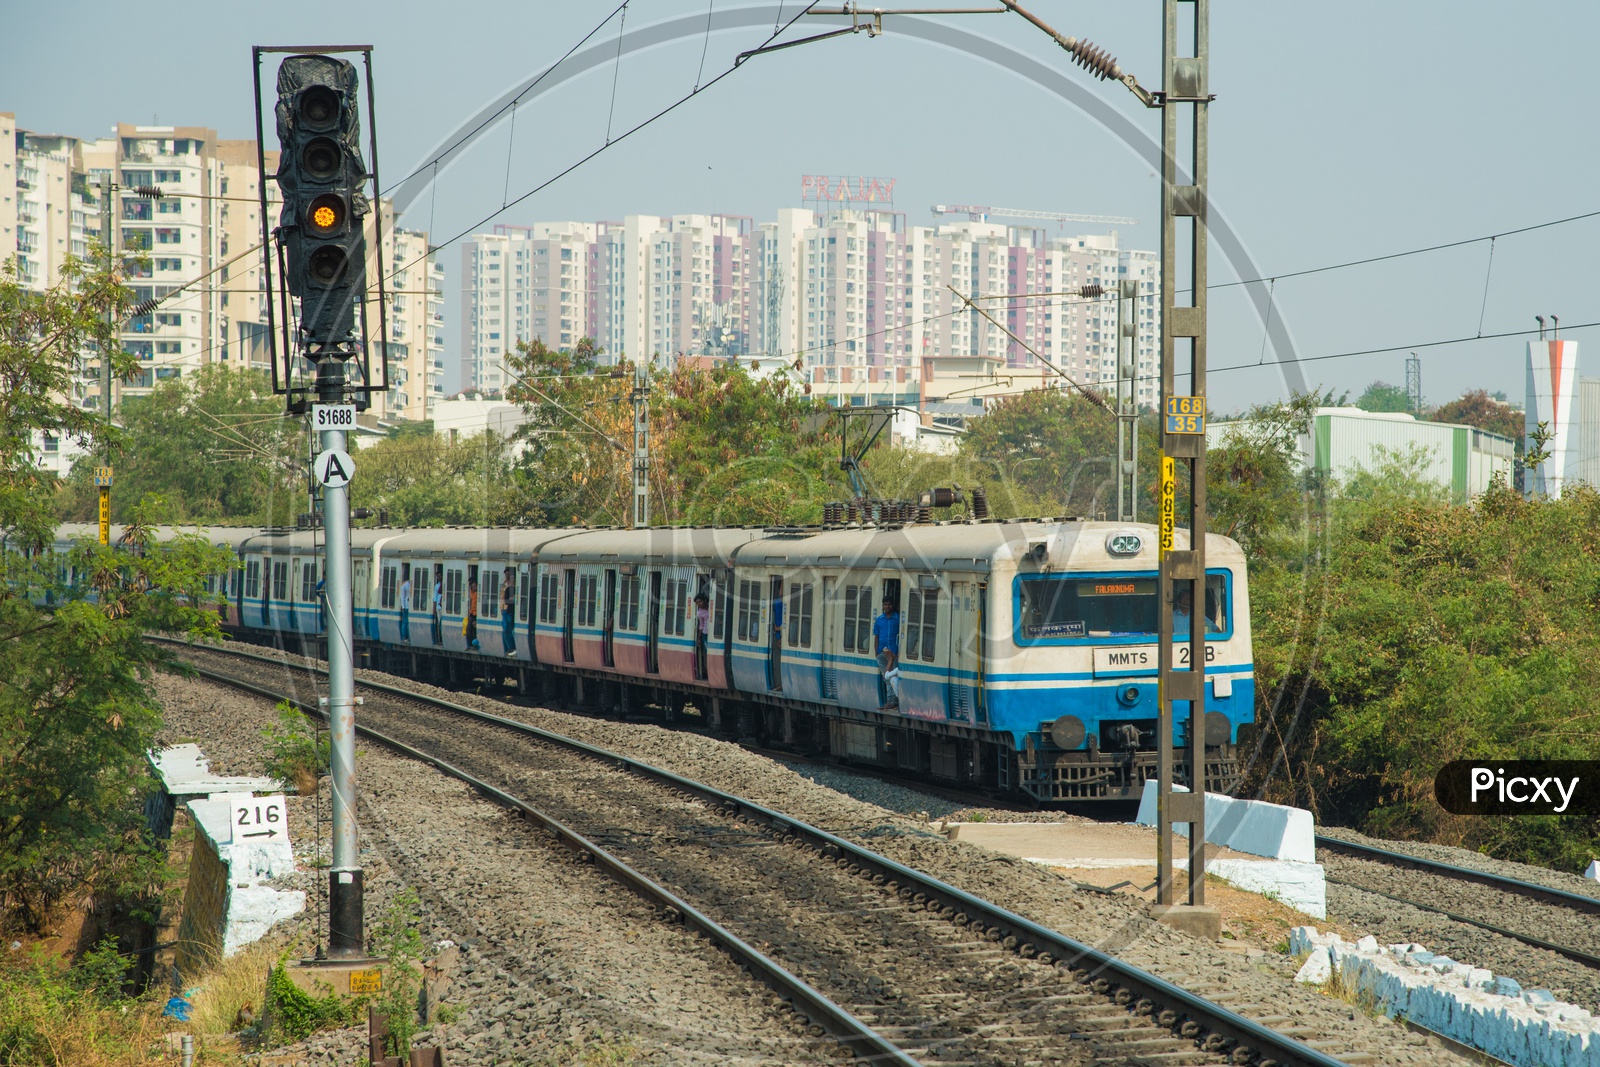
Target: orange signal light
{"type": "Point", "coordinates": [324, 217]}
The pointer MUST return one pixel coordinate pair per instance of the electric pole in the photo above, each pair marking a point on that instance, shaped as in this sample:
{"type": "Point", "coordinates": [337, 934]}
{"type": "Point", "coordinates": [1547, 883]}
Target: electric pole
{"type": "Point", "coordinates": [1184, 97]}
{"type": "Point", "coordinates": [641, 445]}
{"type": "Point", "coordinates": [102, 474]}
{"type": "Point", "coordinates": [1127, 402]}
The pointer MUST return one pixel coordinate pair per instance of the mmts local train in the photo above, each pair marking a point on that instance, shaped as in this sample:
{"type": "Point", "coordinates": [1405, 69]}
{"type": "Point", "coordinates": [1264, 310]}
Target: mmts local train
{"type": "Point", "coordinates": [1028, 647]}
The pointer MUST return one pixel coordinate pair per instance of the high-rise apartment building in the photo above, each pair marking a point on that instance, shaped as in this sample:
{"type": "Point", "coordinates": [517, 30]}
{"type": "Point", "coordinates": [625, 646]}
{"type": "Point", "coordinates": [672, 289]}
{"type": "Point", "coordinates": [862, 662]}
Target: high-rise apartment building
{"type": "Point", "coordinates": [195, 248]}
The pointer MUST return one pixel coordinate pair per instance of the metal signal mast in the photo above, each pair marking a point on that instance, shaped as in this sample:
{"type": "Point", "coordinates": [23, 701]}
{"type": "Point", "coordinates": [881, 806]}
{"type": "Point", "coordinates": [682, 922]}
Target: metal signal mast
{"type": "Point", "coordinates": [322, 253]}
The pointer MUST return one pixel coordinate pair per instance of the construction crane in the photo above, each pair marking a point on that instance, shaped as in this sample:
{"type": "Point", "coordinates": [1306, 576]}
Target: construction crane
{"type": "Point", "coordinates": [979, 213]}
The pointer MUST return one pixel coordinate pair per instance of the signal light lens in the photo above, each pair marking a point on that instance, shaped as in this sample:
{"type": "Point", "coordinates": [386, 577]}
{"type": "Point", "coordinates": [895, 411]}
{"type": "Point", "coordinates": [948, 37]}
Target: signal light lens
{"type": "Point", "coordinates": [326, 215]}
{"type": "Point", "coordinates": [326, 266]}
{"type": "Point", "coordinates": [319, 108]}
{"type": "Point", "coordinates": [320, 159]}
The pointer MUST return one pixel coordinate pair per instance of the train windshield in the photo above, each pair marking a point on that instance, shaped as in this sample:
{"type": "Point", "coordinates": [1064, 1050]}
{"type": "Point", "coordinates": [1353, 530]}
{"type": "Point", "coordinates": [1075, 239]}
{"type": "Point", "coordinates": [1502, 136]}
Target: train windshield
{"type": "Point", "coordinates": [1118, 606]}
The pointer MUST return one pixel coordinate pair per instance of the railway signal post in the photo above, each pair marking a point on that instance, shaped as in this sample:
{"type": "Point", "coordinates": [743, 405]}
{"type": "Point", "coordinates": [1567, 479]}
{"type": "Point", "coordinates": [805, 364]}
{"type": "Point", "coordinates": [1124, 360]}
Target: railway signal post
{"type": "Point", "coordinates": [322, 245]}
{"type": "Point", "coordinates": [1182, 684]}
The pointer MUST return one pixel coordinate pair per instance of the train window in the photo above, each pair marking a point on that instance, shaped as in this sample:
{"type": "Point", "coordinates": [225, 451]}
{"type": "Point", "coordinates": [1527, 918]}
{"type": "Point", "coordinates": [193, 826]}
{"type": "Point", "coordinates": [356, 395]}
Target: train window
{"type": "Point", "coordinates": [420, 591]}
{"type": "Point", "coordinates": [1217, 606]}
{"type": "Point", "coordinates": [548, 597]}
{"type": "Point", "coordinates": [804, 618]}
{"type": "Point", "coordinates": [911, 635]}
{"type": "Point", "coordinates": [522, 596]}
{"type": "Point", "coordinates": [930, 623]}
{"type": "Point", "coordinates": [280, 579]}
{"type": "Point", "coordinates": [718, 609]}
{"type": "Point", "coordinates": [388, 586]}
{"type": "Point", "coordinates": [628, 605]}
{"type": "Point", "coordinates": [453, 585]}
{"type": "Point", "coordinates": [1095, 607]}
{"type": "Point", "coordinates": [858, 618]}
{"type": "Point", "coordinates": [588, 587]}
{"type": "Point", "coordinates": [792, 621]}
{"type": "Point", "coordinates": [252, 578]}
{"type": "Point", "coordinates": [489, 598]}
{"type": "Point", "coordinates": [677, 604]}
{"type": "Point", "coordinates": [749, 611]}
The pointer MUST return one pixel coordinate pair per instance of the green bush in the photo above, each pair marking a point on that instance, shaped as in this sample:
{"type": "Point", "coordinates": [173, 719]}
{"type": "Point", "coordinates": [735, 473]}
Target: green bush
{"type": "Point", "coordinates": [297, 753]}
{"type": "Point", "coordinates": [295, 1014]}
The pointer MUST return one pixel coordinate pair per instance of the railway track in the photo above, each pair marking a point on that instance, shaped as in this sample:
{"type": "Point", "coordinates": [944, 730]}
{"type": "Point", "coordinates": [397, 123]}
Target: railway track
{"type": "Point", "coordinates": [898, 966]}
{"type": "Point", "coordinates": [1529, 904]}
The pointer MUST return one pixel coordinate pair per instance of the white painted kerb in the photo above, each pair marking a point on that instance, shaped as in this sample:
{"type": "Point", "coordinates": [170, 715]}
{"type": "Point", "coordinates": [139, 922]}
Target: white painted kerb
{"type": "Point", "coordinates": [1275, 831]}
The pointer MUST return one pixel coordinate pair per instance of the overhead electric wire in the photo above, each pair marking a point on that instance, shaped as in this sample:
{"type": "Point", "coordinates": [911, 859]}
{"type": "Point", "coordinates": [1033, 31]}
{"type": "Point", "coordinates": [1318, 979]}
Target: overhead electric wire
{"type": "Point", "coordinates": [1401, 255]}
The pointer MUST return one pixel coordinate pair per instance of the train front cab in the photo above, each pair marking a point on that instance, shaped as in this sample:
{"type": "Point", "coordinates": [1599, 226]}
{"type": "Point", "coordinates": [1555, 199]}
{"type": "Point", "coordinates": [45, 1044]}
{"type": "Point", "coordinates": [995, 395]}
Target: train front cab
{"type": "Point", "coordinates": [1075, 678]}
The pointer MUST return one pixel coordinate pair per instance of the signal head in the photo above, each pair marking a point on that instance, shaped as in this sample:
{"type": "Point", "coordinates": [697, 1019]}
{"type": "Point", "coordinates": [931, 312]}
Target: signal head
{"type": "Point", "coordinates": [326, 215]}
{"type": "Point", "coordinates": [320, 159]}
{"type": "Point", "coordinates": [319, 107]}
{"type": "Point", "coordinates": [326, 265]}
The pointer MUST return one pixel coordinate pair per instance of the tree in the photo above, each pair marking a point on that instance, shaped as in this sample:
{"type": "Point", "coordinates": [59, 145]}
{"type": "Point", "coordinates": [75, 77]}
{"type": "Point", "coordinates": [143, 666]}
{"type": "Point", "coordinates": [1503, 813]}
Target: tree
{"type": "Point", "coordinates": [216, 447]}
{"type": "Point", "coordinates": [76, 709]}
{"type": "Point", "coordinates": [1256, 487]}
{"type": "Point", "coordinates": [726, 447]}
{"type": "Point", "coordinates": [422, 479]}
{"type": "Point", "coordinates": [1381, 396]}
{"type": "Point", "coordinates": [1477, 408]}
{"type": "Point", "coordinates": [1050, 452]}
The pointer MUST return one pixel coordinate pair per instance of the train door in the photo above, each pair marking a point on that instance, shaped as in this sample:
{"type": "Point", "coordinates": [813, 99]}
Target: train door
{"type": "Point", "coordinates": [609, 619]}
{"type": "Point", "coordinates": [525, 583]}
{"type": "Point", "coordinates": [830, 612]}
{"type": "Point", "coordinates": [961, 656]}
{"type": "Point", "coordinates": [980, 617]}
{"type": "Point", "coordinates": [569, 606]}
{"type": "Point", "coordinates": [652, 648]}
{"type": "Point", "coordinates": [360, 602]}
{"type": "Point", "coordinates": [775, 632]}
{"type": "Point", "coordinates": [702, 638]}
{"type": "Point", "coordinates": [723, 623]}
{"type": "Point", "coordinates": [435, 601]}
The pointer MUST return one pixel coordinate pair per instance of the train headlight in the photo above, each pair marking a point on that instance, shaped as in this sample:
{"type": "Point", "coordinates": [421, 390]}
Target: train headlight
{"type": "Point", "coordinates": [1124, 543]}
{"type": "Point", "coordinates": [1128, 695]}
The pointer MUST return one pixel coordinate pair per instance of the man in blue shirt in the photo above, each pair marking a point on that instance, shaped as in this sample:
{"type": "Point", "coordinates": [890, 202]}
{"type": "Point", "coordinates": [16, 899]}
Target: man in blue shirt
{"type": "Point", "coordinates": [886, 639]}
{"type": "Point", "coordinates": [1183, 611]}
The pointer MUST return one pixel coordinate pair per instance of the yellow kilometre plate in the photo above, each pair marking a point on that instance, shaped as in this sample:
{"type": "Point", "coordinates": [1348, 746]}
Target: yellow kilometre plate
{"type": "Point", "coordinates": [366, 981]}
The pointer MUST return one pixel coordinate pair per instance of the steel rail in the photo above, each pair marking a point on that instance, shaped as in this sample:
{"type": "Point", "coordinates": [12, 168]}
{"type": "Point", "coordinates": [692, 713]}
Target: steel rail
{"type": "Point", "coordinates": [848, 1030]}
{"type": "Point", "coordinates": [1576, 955]}
{"type": "Point", "coordinates": [1546, 893]}
{"type": "Point", "coordinates": [1188, 1014]}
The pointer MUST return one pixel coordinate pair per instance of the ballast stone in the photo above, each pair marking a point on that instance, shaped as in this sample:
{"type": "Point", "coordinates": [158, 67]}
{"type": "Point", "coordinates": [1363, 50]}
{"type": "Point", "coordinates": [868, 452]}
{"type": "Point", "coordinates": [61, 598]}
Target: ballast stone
{"type": "Point", "coordinates": [1465, 1003]}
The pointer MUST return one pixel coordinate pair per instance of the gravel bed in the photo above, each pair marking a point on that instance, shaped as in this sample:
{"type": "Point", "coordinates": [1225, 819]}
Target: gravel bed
{"type": "Point", "coordinates": [558, 962]}
{"type": "Point", "coordinates": [1462, 857]}
{"type": "Point", "coordinates": [903, 964]}
{"type": "Point", "coordinates": [1258, 983]}
{"type": "Point", "coordinates": [1392, 922]}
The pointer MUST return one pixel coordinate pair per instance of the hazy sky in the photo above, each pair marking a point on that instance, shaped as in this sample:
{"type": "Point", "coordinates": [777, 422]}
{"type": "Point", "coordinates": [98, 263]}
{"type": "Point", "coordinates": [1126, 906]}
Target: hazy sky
{"type": "Point", "coordinates": [1339, 132]}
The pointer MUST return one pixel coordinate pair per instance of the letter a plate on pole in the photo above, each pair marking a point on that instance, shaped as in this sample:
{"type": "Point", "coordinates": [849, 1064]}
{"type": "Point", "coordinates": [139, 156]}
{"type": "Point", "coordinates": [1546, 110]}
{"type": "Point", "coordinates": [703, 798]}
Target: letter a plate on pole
{"type": "Point", "coordinates": [334, 468]}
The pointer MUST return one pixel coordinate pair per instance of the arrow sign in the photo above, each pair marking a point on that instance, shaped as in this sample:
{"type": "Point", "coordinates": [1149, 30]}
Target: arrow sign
{"type": "Point", "coordinates": [258, 817]}
{"type": "Point", "coordinates": [334, 468]}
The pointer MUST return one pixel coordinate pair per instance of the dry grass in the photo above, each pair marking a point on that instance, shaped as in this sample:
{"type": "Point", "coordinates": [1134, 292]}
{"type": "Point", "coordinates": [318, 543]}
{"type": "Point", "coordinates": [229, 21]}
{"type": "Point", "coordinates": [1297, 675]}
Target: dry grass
{"type": "Point", "coordinates": [44, 1023]}
{"type": "Point", "coordinates": [227, 988]}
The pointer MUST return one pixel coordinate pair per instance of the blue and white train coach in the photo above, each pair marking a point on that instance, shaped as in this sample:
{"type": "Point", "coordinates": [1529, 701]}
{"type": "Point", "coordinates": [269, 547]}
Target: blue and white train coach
{"type": "Point", "coordinates": [1027, 648]}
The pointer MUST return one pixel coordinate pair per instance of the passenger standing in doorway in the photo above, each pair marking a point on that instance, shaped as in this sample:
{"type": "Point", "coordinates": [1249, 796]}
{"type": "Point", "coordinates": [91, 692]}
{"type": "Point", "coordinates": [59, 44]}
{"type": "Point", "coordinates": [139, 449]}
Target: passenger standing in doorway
{"type": "Point", "coordinates": [508, 611]}
{"type": "Point", "coordinates": [405, 606]}
{"type": "Point", "coordinates": [438, 608]}
{"type": "Point", "coordinates": [469, 625]}
{"type": "Point", "coordinates": [774, 666]}
{"type": "Point", "coordinates": [886, 636]}
{"type": "Point", "coordinates": [702, 634]}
